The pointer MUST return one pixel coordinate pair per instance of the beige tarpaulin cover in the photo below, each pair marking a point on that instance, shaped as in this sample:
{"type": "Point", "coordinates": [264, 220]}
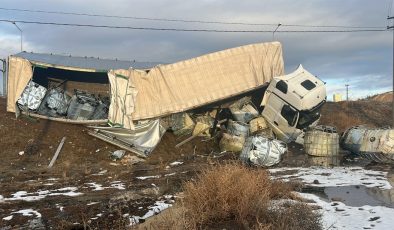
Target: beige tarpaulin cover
{"type": "Point", "coordinates": [177, 87]}
{"type": "Point", "coordinates": [123, 94]}
{"type": "Point", "coordinates": [19, 74]}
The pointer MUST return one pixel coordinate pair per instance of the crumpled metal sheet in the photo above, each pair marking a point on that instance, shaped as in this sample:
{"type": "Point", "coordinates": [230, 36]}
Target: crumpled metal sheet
{"type": "Point", "coordinates": [32, 96]}
{"type": "Point", "coordinates": [143, 139]}
{"type": "Point", "coordinates": [262, 151]}
{"type": "Point", "coordinates": [374, 144]}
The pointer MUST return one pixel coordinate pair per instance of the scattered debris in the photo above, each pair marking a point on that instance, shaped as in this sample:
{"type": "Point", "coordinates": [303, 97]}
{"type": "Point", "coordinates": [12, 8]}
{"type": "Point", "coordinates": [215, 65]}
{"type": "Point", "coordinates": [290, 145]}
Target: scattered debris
{"type": "Point", "coordinates": [243, 110]}
{"type": "Point", "coordinates": [374, 144]}
{"type": "Point", "coordinates": [262, 151]}
{"type": "Point", "coordinates": [131, 160]}
{"type": "Point", "coordinates": [238, 128]}
{"type": "Point", "coordinates": [181, 124]}
{"type": "Point", "coordinates": [321, 141]}
{"type": "Point", "coordinates": [117, 155]}
{"type": "Point", "coordinates": [155, 209]}
{"type": "Point", "coordinates": [32, 96]}
{"type": "Point", "coordinates": [57, 152]}
{"type": "Point", "coordinates": [231, 143]}
{"type": "Point", "coordinates": [194, 136]}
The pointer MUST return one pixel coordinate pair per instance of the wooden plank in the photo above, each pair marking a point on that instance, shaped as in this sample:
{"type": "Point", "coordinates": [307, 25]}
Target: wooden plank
{"type": "Point", "coordinates": [57, 152]}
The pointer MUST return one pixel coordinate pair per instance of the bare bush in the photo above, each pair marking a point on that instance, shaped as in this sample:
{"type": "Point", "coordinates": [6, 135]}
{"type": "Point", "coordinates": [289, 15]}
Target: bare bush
{"type": "Point", "coordinates": [236, 194]}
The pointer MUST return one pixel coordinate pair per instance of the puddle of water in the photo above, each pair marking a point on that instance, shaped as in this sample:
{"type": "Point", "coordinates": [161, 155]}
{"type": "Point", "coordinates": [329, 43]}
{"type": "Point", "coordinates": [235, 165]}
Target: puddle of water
{"type": "Point", "coordinates": [357, 195]}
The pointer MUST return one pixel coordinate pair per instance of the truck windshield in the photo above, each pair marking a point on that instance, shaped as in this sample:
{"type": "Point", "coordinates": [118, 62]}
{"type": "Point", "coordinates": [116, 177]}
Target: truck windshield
{"type": "Point", "coordinates": [307, 117]}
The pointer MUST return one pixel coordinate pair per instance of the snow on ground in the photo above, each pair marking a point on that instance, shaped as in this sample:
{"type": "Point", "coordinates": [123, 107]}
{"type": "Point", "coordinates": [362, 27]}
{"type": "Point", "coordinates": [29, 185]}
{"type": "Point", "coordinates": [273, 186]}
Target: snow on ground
{"type": "Point", "coordinates": [41, 194]}
{"type": "Point", "coordinates": [8, 217]}
{"type": "Point", "coordinates": [336, 176]}
{"type": "Point", "coordinates": [337, 215]}
{"type": "Point", "coordinates": [176, 163]}
{"type": "Point", "coordinates": [147, 177]}
{"type": "Point", "coordinates": [28, 212]}
{"type": "Point", "coordinates": [158, 207]}
{"type": "Point", "coordinates": [98, 187]}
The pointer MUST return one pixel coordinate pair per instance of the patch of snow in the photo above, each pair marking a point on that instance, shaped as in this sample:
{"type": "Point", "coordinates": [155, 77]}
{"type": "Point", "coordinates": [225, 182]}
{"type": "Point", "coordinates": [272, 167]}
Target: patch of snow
{"type": "Point", "coordinates": [93, 203]}
{"type": "Point", "coordinates": [341, 216]}
{"type": "Point", "coordinates": [28, 212]}
{"type": "Point", "coordinates": [147, 177]}
{"type": "Point", "coordinates": [96, 187]}
{"type": "Point", "coordinates": [8, 217]}
{"type": "Point", "coordinates": [41, 194]}
{"type": "Point", "coordinates": [61, 208]}
{"type": "Point", "coordinates": [336, 176]}
{"type": "Point", "coordinates": [48, 184]}
{"type": "Point", "coordinates": [100, 173]}
{"type": "Point", "coordinates": [118, 185]}
{"type": "Point", "coordinates": [21, 153]}
{"type": "Point", "coordinates": [169, 174]}
{"type": "Point", "coordinates": [176, 163]}
{"type": "Point", "coordinates": [158, 207]}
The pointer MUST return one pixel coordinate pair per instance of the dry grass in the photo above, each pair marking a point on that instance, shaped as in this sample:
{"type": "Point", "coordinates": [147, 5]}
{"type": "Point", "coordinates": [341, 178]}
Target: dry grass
{"type": "Point", "coordinates": [238, 197]}
{"type": "Point", "coordinates": [344, 114]}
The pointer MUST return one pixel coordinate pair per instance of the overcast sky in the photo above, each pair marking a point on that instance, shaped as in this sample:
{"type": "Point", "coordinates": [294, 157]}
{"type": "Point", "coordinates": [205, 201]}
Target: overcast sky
{"type": "Point", "coordinates": [363, 59]}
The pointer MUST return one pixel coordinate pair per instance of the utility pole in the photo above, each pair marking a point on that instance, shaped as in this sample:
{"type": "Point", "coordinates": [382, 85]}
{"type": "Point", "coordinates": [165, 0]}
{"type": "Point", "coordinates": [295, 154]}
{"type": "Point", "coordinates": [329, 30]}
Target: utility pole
{"type": "Point", "coordinates": [347, 92]}
{"type": "Point", "coordinates": [392, 27]}
{"type": "Point", "coordinates": [4, 74]}
{"type": "Point", "coordinates": [273, 33]}
{"type": "Point", "coordinates": [21, 34]}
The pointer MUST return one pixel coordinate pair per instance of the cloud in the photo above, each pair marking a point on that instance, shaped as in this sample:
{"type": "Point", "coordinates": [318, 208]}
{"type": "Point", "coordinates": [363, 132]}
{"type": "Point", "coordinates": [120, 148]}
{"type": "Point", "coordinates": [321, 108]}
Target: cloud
{"type": "Point", "coordinates": [334, 57]}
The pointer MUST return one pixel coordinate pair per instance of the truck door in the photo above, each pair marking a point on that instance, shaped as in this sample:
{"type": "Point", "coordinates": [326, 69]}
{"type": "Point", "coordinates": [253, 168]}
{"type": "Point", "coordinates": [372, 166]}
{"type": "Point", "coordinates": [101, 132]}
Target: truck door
{"type": "Point", "coordinates": [286, 121]}
{"type": "Point", "coordinates": [281, 116]}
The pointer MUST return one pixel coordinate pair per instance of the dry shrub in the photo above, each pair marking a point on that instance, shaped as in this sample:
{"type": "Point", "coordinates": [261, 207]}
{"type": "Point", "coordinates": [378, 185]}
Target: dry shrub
{"type": "Point", "coordinates": [231, 192]}
{"type": "Point", "coordinates": [232, 196]}
{"type": "Point", "coordinates": [227, 192]}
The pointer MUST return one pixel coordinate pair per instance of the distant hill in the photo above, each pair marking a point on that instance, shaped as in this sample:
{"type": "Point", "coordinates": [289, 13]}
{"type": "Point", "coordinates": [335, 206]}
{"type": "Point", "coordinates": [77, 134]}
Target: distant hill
{"type": "Point", "coordinates": [383, 97]}
{"type": "Point", "coordinates": [371, 112]}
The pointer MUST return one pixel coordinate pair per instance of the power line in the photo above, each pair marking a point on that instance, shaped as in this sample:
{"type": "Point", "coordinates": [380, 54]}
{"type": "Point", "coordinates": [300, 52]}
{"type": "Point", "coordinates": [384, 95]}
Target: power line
{"type": "Point", "coordinates": [189, 30]}
{"type": "Point", "coordinates": [188, 21]}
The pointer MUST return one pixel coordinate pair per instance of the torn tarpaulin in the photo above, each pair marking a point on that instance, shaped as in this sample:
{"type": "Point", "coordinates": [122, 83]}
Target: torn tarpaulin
{"type": "Point", "coordinates": [142, 140]}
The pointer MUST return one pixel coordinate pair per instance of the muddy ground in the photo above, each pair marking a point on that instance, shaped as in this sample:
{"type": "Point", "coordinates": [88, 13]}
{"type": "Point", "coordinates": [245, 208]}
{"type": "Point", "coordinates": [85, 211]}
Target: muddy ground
{"type": "Point", "coordinates": [86, 188]}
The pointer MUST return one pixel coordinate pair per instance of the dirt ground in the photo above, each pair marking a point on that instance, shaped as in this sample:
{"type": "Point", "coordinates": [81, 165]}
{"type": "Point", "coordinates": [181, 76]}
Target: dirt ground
{"type": "Point", "coordinates": [85, 188]}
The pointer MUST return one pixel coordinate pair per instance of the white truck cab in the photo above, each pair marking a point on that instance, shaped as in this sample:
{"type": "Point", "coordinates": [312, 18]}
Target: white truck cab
{"type": "Point", "coordinates": [293, 102]}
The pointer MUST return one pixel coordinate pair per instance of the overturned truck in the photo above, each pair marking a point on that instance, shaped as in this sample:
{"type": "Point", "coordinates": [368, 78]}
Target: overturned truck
{"type": "Point", "coordinates": [132, 104]}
